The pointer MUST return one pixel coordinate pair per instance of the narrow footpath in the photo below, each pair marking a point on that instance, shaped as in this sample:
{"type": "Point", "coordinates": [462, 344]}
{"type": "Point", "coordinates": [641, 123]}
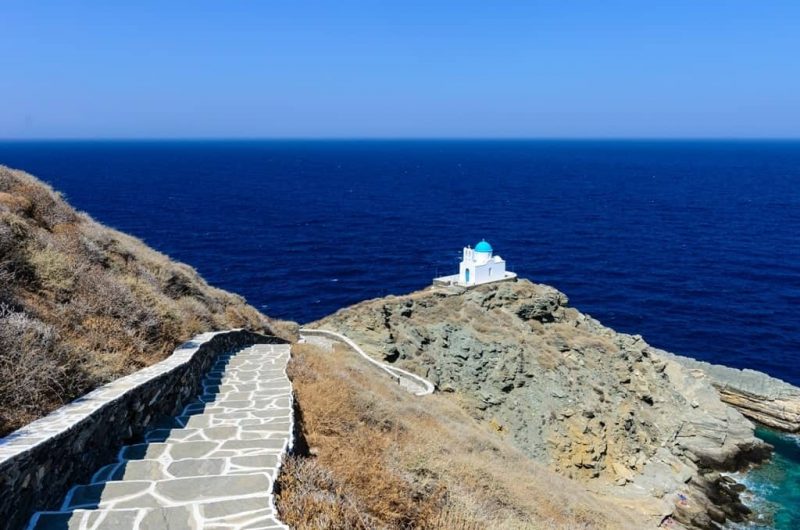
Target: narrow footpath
{"type": "Point", "coordinates": [211, 467]}
{"type": "Point", "coordinates": [412, 383]}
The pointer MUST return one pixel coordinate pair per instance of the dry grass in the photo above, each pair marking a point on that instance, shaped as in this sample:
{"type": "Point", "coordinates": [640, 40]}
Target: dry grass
{"type": "Point", "coordinates": [385, 459]}
{"type": "Point", "coordinates": [82, 304]}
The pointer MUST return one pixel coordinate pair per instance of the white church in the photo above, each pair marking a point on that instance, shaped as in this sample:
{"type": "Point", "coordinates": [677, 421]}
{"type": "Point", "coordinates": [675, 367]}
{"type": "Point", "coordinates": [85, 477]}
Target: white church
{"type": "Point", "coordinates": [479, 265]}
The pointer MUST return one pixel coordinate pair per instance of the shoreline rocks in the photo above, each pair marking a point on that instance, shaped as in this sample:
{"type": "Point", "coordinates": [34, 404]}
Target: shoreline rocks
{"type": "Point", "coordinates": [758, 396]}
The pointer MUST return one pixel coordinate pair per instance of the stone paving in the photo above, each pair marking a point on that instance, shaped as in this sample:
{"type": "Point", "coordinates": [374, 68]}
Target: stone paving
{"type": "Point", "coordinates": [211, 467]}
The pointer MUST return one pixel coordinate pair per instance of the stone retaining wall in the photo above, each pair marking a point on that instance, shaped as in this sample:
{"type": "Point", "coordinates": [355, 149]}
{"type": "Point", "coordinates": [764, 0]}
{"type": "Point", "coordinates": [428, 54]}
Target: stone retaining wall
{"type": "Point", "coordinates": [39, 462]}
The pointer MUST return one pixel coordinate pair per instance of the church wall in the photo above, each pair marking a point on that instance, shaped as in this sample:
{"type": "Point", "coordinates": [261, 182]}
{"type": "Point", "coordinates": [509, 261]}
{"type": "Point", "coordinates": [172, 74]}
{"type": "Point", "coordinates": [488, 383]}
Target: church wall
{"type": "Point", "coordinates": [482, 271]}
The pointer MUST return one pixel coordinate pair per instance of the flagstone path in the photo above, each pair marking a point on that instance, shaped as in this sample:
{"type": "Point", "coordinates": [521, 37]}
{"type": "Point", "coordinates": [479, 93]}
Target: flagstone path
{"type": "Point", "coordinates": [211, 467]}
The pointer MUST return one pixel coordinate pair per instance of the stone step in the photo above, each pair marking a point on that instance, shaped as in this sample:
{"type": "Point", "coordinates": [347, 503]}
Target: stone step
{"type": "Point", "coordinates": [234, 378]}
{"type": "Point", "coordinates": [266, 367]}
{"type": "Point", "coordinates": [232, 383]}
{"type": "Point", "coordinates": [275, 363]}
{"type": "Point", "coordinates": [247, 387]}
{"type": "Point", "coordinates": [250, 359]}
{"type": "Point", "coordinates": [214, 417]}
{"type": "Point", "coordinates": [202, 449]}
{"type": "Point", "coordinates": [82, 519]}
{"type": "Point", "coordinates": [211, 396]}
{"type": "Point", "coordinates": [236, 405]}
{"type": "Point", "coordinates": [238, 400]}
{"type": "Point", "coordinates": [274, 360]}
{"type": "Point", "coordinates": [263, 429]}
{"type": "Point", "coordinates": [162, 469]}
{"type": "Point", "coordinates": [169, 492]}
{"type": "Point", "coordinates": [253, 362]}
{"type": "Point", "coordinates": [253, 512]}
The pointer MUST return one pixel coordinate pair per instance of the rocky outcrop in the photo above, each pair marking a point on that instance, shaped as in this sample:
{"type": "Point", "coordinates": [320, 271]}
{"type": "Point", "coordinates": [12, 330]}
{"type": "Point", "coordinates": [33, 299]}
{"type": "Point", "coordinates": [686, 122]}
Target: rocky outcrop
{"type": "Point", "coordinates": [758, 396]}
{"type": "Point", "coordinates": [596, 405]}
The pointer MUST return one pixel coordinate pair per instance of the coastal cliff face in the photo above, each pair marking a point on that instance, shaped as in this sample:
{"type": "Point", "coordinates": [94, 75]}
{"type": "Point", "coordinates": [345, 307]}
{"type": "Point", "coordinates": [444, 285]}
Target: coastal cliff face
{"type": "Point", "coordinates": [593, 404]}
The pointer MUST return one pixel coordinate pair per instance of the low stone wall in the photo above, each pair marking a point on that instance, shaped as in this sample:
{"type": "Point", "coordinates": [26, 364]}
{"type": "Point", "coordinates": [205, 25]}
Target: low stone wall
{"type": "Point", "coordinates": [39, 462]}
{"type": "Point", "coordinates": [412, 382]}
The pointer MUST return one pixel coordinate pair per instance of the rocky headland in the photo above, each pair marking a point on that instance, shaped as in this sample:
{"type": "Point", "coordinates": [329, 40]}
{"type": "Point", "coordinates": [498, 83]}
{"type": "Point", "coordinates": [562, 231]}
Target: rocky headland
{"type": "Point", "coordinates": [648, 428]}
{"type": "Point", "coordinates": [765, 399]}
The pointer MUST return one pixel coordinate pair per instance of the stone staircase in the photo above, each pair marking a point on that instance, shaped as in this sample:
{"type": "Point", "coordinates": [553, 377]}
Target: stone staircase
{"type": "Point", "coordinates": [211, 467]}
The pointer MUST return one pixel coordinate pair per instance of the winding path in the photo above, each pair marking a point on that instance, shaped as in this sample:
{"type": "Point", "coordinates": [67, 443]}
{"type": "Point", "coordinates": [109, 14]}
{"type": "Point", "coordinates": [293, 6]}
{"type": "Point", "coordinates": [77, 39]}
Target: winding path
{"type": "Point", "coordinates": [212, 467]}
{"type": "Point", "coordinates": [411, 382]}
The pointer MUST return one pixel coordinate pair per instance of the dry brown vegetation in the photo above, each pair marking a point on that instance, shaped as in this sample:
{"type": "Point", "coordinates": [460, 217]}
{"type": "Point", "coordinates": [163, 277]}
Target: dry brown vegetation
{"type": "Point", "coordinates": [379, 457]}
{"type": "Point", "coordinates": [82, 304]}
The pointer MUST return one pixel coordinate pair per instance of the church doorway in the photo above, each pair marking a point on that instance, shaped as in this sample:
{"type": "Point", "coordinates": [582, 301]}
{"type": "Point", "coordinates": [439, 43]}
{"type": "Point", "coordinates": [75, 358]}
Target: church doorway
{"type": "Point", "coordinates": [466, 276]}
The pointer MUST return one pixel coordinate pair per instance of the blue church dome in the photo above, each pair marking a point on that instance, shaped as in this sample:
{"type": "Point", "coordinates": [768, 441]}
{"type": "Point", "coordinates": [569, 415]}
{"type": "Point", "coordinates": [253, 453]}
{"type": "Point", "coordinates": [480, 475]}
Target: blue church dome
{"type": "Point", "coordinates": [483, 246]}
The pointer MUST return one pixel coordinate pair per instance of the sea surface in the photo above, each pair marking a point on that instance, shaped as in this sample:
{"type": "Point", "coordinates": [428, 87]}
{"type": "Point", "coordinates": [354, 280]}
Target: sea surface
{"type": "Point", "coordinates": [693, 244]}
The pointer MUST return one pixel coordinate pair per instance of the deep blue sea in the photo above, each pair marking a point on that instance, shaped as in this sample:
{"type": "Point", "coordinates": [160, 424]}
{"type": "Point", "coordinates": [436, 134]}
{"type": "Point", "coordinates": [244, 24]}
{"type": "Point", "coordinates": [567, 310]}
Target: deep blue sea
{"type": "Point", "coordinates": [693, 244]}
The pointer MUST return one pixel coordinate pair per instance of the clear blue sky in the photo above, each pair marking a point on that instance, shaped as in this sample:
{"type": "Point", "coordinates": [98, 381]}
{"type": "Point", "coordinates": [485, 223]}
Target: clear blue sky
{"type": "Point", "coordinates": [341, 68]}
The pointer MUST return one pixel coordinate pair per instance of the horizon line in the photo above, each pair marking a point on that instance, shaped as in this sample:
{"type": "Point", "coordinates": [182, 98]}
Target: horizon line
{"type": "Point", "coordinates": [405, 138]}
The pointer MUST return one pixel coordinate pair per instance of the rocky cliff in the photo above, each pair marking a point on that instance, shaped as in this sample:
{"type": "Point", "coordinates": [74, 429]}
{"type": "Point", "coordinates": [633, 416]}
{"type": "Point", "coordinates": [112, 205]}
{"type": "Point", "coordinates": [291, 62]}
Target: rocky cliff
{"type": "Point", "coordinates": [596, 405]}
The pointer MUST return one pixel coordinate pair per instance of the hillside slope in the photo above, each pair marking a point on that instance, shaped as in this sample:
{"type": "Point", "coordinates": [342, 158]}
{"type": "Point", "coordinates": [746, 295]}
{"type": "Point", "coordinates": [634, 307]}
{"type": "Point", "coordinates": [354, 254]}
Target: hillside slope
{"type": "Point", "coordinates": [379, 457]}
{"type": "Point", "coordinates": [82, 304]}
{"type": "Point", "coordinates": [592, 404]}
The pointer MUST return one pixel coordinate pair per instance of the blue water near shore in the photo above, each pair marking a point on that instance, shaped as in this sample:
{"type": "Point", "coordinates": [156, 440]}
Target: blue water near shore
{"type": "Point", "coordinates": [774, 488]}
{"type": "Point", "coordinates": [694, 245]}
